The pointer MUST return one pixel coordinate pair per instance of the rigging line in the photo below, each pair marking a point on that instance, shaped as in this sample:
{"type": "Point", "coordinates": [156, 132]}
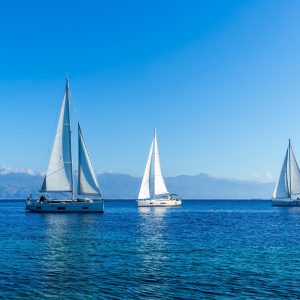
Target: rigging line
{"type": "Point", "coordinates": [77, 116]}
{"type": "Point", "coordinates": [54, 172]}
{"type": "Point", "coordinates": [75, 108]}
{"type": "Point", "coordinates": [54, 131]}
{"type": "Point", "coordinates": [74, 105]}
{"type": "Point", "coordinates": [76, 112]}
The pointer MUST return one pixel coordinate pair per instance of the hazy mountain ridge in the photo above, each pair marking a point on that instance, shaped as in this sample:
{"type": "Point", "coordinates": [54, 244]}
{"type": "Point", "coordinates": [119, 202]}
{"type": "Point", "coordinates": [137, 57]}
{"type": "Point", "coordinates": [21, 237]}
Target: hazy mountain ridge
{"type": "Point", "coordinates": [122, 186]}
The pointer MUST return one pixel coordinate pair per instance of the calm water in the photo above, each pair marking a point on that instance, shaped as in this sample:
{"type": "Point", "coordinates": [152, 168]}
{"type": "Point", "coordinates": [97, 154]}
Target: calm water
{"type": "Point", "coordinates": [204, 249]}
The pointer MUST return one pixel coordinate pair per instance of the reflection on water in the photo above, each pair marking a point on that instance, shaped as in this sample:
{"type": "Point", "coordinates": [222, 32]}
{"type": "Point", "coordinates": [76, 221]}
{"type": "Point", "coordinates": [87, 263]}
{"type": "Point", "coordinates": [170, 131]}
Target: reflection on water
{"type": "Point", "coordinates": [68, 249]}
{"type": "Point", "coordinates": [154, 211]}
{"type": "Point", "coordinates": [152, 248]}
{"type": "Point", "coordinates": [204, 249]}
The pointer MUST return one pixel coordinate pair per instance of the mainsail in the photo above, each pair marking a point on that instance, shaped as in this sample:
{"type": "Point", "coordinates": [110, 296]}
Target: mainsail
{"type": "Point", "coordinates": [288, 184]}
{"type": "Point", "coordinates": [59, 175]}
{"type": "Point", "coordinates": [159, 182]}
{"type": "Point", "coordinates": [87, 181]}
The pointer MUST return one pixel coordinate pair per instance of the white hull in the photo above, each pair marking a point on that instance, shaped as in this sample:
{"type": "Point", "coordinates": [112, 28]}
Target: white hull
{"type": "Point", "coordinates": [285, 202]}
{"type": "Point", "coordinates": [66, 207]}
{"type": "Point", "coordinates": [158, 202]}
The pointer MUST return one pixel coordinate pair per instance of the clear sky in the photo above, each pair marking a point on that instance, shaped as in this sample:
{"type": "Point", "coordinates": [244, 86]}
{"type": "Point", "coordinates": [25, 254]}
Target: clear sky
{"type": "Point", "coordinates": [219, 79]}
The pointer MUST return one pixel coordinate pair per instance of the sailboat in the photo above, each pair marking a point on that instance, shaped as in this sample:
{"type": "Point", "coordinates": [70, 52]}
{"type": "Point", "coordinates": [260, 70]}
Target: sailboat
{"type": "Point", "coordinates": [287, 189]}
{"type": "Point", "coordinates": [59, 178]}
{"type": "Point", "coordinates": [161, 196]}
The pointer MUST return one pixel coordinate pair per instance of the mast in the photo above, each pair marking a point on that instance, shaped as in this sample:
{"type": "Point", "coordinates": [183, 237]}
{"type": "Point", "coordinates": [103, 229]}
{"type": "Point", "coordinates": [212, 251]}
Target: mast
{"type": "Point", "coordinates": [70, 140]}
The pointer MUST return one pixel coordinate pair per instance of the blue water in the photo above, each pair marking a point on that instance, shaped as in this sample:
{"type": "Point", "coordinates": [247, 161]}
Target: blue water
{"type": "Point", "coordinates": [204, 249]}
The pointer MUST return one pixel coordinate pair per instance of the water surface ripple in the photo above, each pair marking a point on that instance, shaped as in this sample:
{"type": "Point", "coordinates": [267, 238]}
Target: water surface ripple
{"type": "Point", "coordinates": [202, 250]}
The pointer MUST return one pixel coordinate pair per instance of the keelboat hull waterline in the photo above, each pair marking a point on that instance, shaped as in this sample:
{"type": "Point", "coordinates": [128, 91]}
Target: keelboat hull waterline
{"type": "Point", "coordinates": [287, 189]}
{"type": "Point", "coordinates": [158, 202]}
{"type": "Point", "coordinates": [161, 196]}
{"type": "Point", "coordinates": [285, 202]}
{"type": "Point", "coordinates": [66, 206]}
{"type": "Point", "coordinates": [59, 178]}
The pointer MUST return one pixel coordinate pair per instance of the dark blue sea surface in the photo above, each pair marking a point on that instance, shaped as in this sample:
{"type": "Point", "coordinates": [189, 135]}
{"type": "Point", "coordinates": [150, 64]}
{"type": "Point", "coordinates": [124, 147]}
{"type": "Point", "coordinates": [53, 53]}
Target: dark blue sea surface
{"type": "Point", "coordinates": [202, 250]}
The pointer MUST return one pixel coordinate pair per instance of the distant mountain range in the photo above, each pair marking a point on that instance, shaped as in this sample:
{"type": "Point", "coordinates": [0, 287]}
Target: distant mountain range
{"type": "Point", "coordinates": [121, 186]}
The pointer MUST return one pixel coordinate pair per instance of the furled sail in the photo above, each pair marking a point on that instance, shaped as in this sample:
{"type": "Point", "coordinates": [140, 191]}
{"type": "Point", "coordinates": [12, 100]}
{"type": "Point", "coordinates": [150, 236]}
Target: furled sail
{"type": "Point", "coordinates": [87, 181]}
{"type": "Point", "coordinates": [145, 186]}
{"type": "Point", "coordinates": [59, 175]}
{"type": "Point", "coordinates": [282, 185]}
{"type": "Point", "coordinates": [159, 182]}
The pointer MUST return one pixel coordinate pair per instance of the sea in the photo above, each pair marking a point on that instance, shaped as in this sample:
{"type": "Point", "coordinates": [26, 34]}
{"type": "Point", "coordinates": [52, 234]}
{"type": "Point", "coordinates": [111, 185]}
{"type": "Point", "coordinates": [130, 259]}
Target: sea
{"type": "Point", "coordinates": [217, 249]}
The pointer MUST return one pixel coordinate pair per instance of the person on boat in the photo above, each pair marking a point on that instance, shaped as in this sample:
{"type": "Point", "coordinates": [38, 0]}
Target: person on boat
{"type": "Point", "coordinates": [170, 197]}
{"type": "Point", "coordinates": [42, 198]}
{"type": "Point", "coordinates": [29, 198]}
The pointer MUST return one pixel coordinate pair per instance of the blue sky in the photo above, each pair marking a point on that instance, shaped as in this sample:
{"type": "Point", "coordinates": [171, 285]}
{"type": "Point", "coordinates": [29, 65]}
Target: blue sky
{"type": "Point", "coordinates": [219, 79]}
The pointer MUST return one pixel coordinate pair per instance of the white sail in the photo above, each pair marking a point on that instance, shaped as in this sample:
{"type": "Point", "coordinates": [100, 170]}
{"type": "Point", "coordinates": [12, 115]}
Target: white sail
{"type": "Point", "coordinates": [59, 177]}
{"type": "Point", "coordinates": [87, 181]}
{"type": "Point", "coordinates": [145, 186]}
{"type": "Point", "coordinates": [159, 182]}
{"type": "Point", "coordinates": [282, 186]}
{"type": "Point", "coordinates": [294, 173]}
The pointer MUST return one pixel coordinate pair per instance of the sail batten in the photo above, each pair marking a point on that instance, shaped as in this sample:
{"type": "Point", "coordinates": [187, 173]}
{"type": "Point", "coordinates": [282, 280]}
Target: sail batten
{"type": "Point", "coordinates": [59, 175]}
{"type": "Point", "coordinates": [87, 181]}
